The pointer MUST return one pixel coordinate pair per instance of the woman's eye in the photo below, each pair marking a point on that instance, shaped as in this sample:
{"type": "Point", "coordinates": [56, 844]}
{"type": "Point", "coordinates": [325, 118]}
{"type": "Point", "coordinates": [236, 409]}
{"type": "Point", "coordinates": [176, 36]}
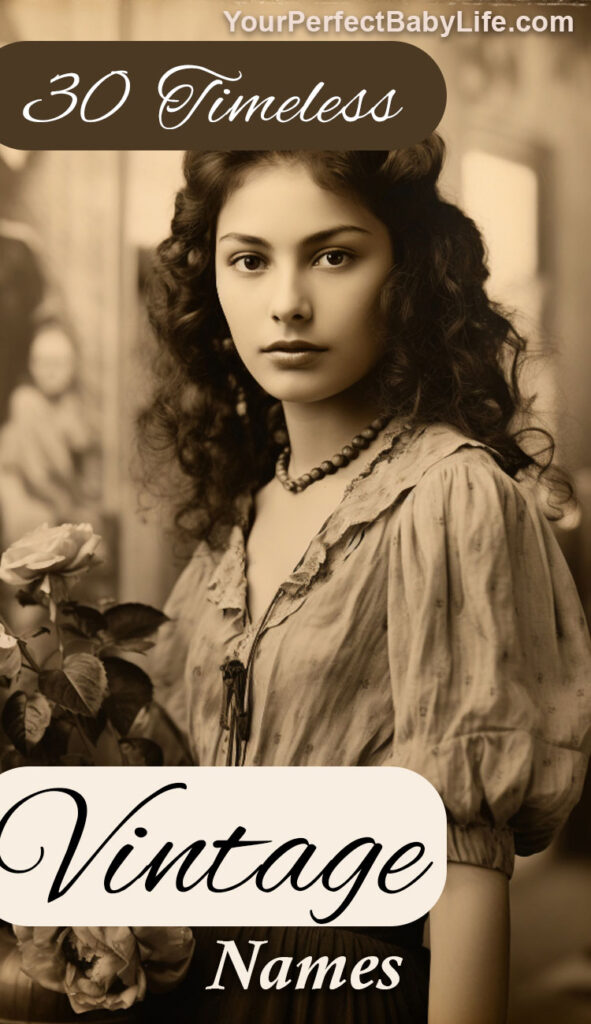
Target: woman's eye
{"type": "Point", "coordinates": [248, 262]}
{"type": "Point", "coordinates": [333, 258]}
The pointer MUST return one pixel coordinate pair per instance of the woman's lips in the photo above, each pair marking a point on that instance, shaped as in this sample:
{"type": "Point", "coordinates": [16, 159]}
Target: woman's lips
{"type": "Point", "coordinates": [293, 354]}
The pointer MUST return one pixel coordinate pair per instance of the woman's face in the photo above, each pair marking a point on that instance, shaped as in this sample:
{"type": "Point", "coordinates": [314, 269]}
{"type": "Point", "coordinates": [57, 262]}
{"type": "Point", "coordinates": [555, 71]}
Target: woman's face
{"type": "Point", "coordinates": [299, 271]}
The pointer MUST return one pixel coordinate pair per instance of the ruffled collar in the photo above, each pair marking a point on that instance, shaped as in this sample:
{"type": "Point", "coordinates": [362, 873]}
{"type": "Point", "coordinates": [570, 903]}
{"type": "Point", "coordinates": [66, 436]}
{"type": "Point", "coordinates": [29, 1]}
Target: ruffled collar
{"type": "Point", "coordinates": [402, 458]}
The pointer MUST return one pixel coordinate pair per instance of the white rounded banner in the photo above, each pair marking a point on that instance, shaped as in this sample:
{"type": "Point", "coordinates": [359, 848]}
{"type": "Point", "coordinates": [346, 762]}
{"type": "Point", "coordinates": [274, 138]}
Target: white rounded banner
{"type": "Point", "coordinates": [219, 846]}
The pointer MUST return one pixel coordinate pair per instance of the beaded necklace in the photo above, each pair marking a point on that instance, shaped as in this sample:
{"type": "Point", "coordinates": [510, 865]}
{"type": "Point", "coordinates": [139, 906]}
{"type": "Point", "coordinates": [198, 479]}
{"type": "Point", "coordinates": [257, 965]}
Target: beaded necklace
{"type": "Point", "coordinates": [342, 458]}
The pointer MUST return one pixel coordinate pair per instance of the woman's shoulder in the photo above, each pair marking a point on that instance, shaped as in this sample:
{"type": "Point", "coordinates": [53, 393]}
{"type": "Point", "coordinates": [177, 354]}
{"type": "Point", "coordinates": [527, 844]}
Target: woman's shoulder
{"type": "Point", "coordinates": [459, 468]}
{"type": "Point", "coordinates": [457, 487]}
{"type": "Point", "coordinates": [430, 473]}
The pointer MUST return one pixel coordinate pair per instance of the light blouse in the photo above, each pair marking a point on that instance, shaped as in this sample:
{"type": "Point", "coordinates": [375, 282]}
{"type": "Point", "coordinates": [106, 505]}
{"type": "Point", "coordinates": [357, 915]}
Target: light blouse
{"type": "Point", "coordinates": [432, 623]}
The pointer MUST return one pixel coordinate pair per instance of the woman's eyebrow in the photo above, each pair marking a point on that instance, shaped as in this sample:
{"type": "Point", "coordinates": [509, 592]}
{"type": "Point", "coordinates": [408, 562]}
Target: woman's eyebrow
{"type": "Point", "coordinates": [235, 236]}
{"type": "Point", "coordinates": [318, 236]}
{"type": "Point", "coordinates": [321, 236]}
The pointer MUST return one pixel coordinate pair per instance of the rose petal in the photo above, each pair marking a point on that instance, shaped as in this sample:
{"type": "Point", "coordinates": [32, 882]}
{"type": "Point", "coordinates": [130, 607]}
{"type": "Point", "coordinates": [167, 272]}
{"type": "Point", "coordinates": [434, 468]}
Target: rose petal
{"type": "Point", "coordinates": [41, 956]}
{"type": "Point", "coordinates": [59, 550]}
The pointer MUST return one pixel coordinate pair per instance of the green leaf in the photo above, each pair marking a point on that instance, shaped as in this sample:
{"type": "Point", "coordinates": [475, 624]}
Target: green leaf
{"type": "Point", "coordinates": [80, 686]}
{"type": "Point", "coordinates": [131, 621]}
{"type": "Point", "coordinates": [141, 752]}
{"type": "Point", "coordinates": [89, 678]}
{"type": "Point", "coordinates": [83, 619]}
{"type": "Point", "coordinates": [108, 751]}
{"type": "Point", "coordinates": [75, 643]}
{"type": "Point", "coordinates": [130, 689]}
{"type": "Point", "coordinates": [54, 683]}
{"type": "Point", "coordinates": [93, 727]}
{"type": "Point", "coordinates": [56, 739]}
{"type": "Point", "coordinates": [25, 718]}
{"type": "Point", "coordinates": [135, 646]}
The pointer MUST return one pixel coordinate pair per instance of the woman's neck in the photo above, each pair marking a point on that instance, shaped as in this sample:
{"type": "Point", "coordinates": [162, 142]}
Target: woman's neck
{"type": "Point", "coordinates": [317, 430]}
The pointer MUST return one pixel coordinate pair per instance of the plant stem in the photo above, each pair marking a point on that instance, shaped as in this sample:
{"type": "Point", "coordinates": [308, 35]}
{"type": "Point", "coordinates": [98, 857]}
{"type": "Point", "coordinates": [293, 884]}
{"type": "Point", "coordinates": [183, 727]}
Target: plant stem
{"type": "Point", "coordinates": [58, 632]}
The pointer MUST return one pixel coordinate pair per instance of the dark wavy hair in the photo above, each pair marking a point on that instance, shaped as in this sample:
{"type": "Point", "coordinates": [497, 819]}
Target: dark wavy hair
{"type": "Point", "coordinates": [451, 354]}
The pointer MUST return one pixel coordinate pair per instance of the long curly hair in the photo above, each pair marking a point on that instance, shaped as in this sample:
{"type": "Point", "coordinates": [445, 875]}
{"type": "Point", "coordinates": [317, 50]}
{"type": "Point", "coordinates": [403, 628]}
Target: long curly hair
{"type": "Point", "coordinates": [451, 354]}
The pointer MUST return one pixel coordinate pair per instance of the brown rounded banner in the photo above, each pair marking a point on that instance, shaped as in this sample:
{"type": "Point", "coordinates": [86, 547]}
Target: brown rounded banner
{"type": "Point", "coordinates": [214, 95]}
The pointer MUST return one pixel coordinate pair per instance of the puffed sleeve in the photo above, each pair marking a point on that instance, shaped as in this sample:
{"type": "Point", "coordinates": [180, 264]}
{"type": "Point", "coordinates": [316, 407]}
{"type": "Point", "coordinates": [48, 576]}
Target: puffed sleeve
{"type": "Point", "coordinates": [489, 658]}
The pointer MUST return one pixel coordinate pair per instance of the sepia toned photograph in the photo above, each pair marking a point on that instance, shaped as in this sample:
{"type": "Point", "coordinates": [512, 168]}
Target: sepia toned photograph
{"type": "Point", "coordinates": [295, 470]}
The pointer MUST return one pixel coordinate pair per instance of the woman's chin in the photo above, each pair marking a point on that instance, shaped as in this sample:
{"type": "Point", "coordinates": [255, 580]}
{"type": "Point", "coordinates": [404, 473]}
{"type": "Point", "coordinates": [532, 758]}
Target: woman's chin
{"type": "Point", "coordinates": [298, 390]}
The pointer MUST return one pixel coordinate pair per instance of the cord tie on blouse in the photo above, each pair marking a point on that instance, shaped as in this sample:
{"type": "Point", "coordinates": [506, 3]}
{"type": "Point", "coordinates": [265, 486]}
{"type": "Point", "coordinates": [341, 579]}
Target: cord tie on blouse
{"type": "Point", "coordinates": [234, 716]}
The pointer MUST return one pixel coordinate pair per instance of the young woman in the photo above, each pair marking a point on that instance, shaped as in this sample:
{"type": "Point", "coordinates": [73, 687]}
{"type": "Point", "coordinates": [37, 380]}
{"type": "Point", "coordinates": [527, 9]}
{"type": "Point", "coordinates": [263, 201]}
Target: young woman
{"type": "Point", "coordinates": [373, 572]}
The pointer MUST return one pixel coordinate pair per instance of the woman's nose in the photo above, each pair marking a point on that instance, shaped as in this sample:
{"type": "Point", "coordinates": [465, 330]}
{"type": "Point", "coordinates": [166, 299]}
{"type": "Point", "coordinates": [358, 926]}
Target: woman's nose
{"type": "Point", "coordinates": [290, 300]}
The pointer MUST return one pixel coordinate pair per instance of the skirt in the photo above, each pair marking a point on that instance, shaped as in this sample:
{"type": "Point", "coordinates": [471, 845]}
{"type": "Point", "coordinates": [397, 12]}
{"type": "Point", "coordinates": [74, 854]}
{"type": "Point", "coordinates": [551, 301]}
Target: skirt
{"type": "Point", "coordinates": [271, 996]}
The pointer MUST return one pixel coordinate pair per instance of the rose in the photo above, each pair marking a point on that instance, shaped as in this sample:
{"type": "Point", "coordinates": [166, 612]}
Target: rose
{"type": "Point", "coordinates": [106, 968]}
{"type": "Point", "coordinates": [93, 966]}
{"type": "Point", "coordinates": [103, 969]}
{"type": "Point", "coordinates": [10, 655]}
{"type": "Point", "coordinates": [60, 550]}
{"type": "Point", "coordinates": [49, 551]}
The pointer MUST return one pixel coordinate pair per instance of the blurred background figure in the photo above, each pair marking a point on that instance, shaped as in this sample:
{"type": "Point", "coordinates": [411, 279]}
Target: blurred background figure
{"type": "Point", "coordinates": [44, 441]}
{"type": "Point", "coordinates": [49, 445]}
